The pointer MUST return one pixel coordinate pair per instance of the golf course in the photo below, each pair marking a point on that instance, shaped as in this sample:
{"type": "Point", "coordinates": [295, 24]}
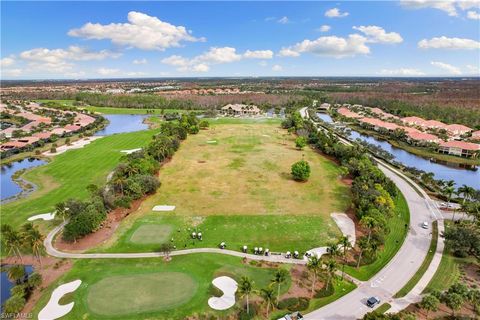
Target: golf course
{"type": "Point", "coordinates": [232, 183]}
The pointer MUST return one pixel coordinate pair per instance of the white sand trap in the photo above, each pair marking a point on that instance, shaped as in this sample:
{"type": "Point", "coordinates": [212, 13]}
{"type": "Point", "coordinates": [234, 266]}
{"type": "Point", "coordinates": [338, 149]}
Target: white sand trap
{"type": "Point", "coordinates": [131, 150]}
{"type": "Point", "coordinates": [346, 225]}
{"type": "Point", "coordinates": [74, 145]}
{"type": "Point", "coordinates": [43, 216]}
{"type": "Point", "coordinates": [53, 310]}
{"type": "Point", "coordinates": [227, 300]}
{"type": "Point", "coordinates": [319, 252]}
{"type": "Point", "coordinates": [212, 141]}
{"type": "Point", "coordinates": [163, 208]}
{"type": "Point", "coordinates": [265, 135]}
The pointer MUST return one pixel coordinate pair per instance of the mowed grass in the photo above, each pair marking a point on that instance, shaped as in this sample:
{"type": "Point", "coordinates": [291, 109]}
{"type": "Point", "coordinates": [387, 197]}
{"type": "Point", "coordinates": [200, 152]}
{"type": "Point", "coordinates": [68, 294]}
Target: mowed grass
{"type": "Point", "coordinates": [244, 169]}
{"type": "Point", "coordinates": [130, 294]}
{"type": "Point", "coordinates": [233, 184]}
{"type": "Point", "coordinates": [152, 288]}
{"type": "Point", "coordinates": [110, 110]}
{"type": "Point", "coordinates": [393, 242]}
{"type": "Point", "coordinates": [68, 175]}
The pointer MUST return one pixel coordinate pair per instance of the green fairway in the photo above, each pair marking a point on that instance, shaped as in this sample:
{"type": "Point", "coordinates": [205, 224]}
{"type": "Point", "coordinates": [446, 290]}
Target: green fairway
{"type": "Point", "coordinates": [122, 295]}
{"type": "Point", "coordinates": [287, 234]}
{"type": "Point", "coordinates": [149, 288]}
{"type": "Point", "coordinates": [109, 110]}
{"type": "Point", "coordinates": [151, 233]}
{"type": "Point", "coordinates": [69, 173]}
{"type": "Point", "coordinates": [393, 242]}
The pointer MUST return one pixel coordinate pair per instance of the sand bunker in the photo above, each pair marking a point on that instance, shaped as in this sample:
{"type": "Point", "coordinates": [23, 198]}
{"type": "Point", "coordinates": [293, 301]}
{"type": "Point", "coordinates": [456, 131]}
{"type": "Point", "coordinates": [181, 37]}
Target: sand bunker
{"type": "Point", "coordinates": [346, 225]}
{"type": "Point", "coordinates": [43, 216]}
{"type": "Point", "coordinates": [163, 208]}
{"type": "Point", "coordinates": [53, 310]}
{"type": "Point", "coordinates": [212, 141]}
{"type": "Point", "coordinates": [131, 150]}
{"type": "Point", "coordinates": [227, 300]}
{"type": "Point", "coordinates": [74, 145]}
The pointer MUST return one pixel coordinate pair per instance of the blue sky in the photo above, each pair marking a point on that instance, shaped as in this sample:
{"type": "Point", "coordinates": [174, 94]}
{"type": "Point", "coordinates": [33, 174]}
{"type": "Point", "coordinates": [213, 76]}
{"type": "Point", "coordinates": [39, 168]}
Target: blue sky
{"type": "Point", "coordinates": [175, 39]}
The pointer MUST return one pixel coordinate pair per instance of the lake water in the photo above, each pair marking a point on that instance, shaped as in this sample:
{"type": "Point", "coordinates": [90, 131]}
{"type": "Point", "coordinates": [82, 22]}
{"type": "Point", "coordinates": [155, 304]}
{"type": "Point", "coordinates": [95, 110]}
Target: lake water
{"type": "Point", "coordinates": [6, 285]}
{"type": "Point", "coordinates": [9, 187]}
{"type": "Point", "coordinates": [442, 171]}
{"type": "Point", "coordinates": [120, 123]}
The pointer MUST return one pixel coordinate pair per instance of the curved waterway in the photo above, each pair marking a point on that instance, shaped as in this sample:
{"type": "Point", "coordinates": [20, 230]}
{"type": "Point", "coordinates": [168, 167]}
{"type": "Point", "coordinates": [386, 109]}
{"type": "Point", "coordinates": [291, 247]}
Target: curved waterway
{"type": "Point", "coordinates": [121, 123]}
{"type": "Point", "coordinates": [470, 177]}
{"type": "Point", "coordinates": [9, 187]}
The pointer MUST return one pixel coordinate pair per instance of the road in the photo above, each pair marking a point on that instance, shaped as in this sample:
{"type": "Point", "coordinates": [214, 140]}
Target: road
{"type": "Point", "coordinates": [386, 283]}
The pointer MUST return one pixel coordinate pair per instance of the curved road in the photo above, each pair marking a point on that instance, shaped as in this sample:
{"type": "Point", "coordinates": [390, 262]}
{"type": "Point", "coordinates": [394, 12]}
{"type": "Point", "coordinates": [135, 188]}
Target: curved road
{"type": "Point", "coordinates": [384, 284]}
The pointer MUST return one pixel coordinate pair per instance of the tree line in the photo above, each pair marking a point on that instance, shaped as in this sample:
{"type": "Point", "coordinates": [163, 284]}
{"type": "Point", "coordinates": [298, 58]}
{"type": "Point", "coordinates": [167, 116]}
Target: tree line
{"type": "Point", "coordinates": [134, 177]}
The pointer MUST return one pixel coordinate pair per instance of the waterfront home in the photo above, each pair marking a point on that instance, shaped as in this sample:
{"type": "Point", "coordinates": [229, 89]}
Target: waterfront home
{"type": "Point", "coordinates": [418, 137]}
{"type": "Point", "coordinates": [348, 114]}
{"type": "Point", "coordinates": [241, 110]}
{"type": "Point", "coordinates": [413, 121]}
{"type": "Point", "coordinates": [457, 129]}
{"type": "Point", "coordinates": [476, 135]}
{"type": "Point", "coordinates": [459, 148]}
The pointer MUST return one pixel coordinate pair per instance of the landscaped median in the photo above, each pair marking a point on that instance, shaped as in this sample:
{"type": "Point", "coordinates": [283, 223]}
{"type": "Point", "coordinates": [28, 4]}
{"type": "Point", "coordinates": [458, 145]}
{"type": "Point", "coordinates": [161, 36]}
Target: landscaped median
{"type": "Point", "coordinates": [425, 264]}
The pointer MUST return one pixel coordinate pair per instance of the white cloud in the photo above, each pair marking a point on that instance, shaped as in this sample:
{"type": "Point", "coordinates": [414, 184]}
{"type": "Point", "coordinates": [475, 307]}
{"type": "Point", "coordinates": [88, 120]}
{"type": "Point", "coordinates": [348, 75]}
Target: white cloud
{"type": "Point", "coordinates": [141, 31]}
{"type": "Point", "coordinates": [451, 7]}
{"type": "Point", "coordinates": [135, 74]}
{"type": "Point", "coordinates": [447, 67]}
{"type": "Point", "coordinates": [215, 55]}
{"type": "Point", "coordinates": [474, 15]}
{"type": "Point", "coordinates": [140, 61]}
{"type": "Point", "coordinates": [283, 20]}
{"type": "Point", "coordinates": [202, 67]}
{"type": "Point", "coordinates": [377, 34]}
{"type": "Point", "coordinates": [335, 13]}
{"type": "Point", "coordinates": [7, 62]}
{"type": "Point", "coordinates": [73, 53]}
{"type": "Point", "coordinates": [402, 72]}
{"type": "Point", "coordinates": [332, 46]}
{"type": "Point", "coordinates": [11, 72]}
{"type": "Point", "coordinates": [449, 43]}
{"type": "Point", "coordinates": [277, 68]}
{"type": "Point", "coordinates": [258, 54]}
{"type": "Point", "coordinates": [324, 28]}
{"type": "Point", "coordinates": [107, 71]}
{"type": "Point", "coordinates": [473, 69]}
{"type": "Point", "coordinates": [263, 63]}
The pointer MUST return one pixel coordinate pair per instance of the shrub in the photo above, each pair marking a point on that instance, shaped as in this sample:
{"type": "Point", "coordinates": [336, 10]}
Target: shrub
{"type": "Point", "coordinates": [287, 303]}
{"type": "Point", "coordinates": [300, 142]}
{"type": "Point", "coordinates": [301, 170]}
{"type": "Point", "coordinates": [53, 150]}
{"type": "Point", "coordinates": [14, 304]}
{"type": "Point", "coordinates": [123, 202]}
{"type": "Point", "coordinates": [324, 292]}
{"type": "Point", "coordinates": [204, 124]}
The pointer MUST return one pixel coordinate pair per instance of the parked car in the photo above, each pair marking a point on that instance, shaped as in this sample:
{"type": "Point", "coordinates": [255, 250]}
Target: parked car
{"type": "Point", "coordinates": [373, 301]}
{"type": "Point", "coordinates": [425, 225]}
{"type": "Point", "coordinates": [292, 316]}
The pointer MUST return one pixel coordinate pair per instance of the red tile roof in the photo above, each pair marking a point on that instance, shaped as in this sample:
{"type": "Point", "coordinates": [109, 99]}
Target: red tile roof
{"type": "Point", "coordinates": [422, 136]}
{"type": "Point", "coordinates": [460, 145]}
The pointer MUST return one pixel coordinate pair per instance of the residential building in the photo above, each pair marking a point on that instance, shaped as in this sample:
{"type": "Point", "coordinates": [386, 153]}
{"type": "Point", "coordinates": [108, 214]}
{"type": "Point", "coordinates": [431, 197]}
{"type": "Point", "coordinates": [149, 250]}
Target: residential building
{"type": "Point", "coordinates": [241, 110]}
{"type": "Point", "coordinates": [459, 148]}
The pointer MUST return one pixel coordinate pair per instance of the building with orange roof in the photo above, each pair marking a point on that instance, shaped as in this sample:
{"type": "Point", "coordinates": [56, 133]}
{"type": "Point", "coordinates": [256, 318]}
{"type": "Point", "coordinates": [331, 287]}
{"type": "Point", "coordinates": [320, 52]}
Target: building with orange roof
{"type": "Point", "coordinates": [422, 137]}
{"type": "Point", "coordinates": [72, 127]}
{"type": "Point", "coordinates": [457, 129]}
{"type": "Point", "coordinates": [459, 148]}
{"type": "Point", "coordinates": [413, 121]}
{"type": "Point", "coordinates": [43, 135]}
{"type": "Point", "coordinates": [476, 135]}
{"type": "Point", "coordinates": [348, 114]}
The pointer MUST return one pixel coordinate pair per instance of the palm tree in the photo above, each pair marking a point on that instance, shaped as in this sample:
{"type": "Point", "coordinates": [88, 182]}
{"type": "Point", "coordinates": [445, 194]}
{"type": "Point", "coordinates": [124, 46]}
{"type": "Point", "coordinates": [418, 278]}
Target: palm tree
{"type": "Point", "coordinates": [119, 183]}
{"type": "Point", "coordinates": [16, 273]}
{"type": "Point", "coordinates": [363, 244]}
{"type": "Point", "coordinates": [448, 192]}
{"type": "Point", "coordinates": [333, 249]}
{"type": "Point", "coordinates": [370, 224]}
{"type": "Point", "coordinates": [279, 277]}
{"type": "Point", "coordinates": [33, 239]}
{"type": "Point", "coordinates": [268, 297]}
{"type": "Point", "coordinates": [12, 240]}
{"type": "Point", "coordinates": [330, 269]}
{"type": "Point", "coordinates": [61, 210]}
{"type": "Point", "coordinates": [346, 244]}
{"type": "Point", "coordinates": [314, 265]}
{"type": "Point", "coordinates": [245, 289]}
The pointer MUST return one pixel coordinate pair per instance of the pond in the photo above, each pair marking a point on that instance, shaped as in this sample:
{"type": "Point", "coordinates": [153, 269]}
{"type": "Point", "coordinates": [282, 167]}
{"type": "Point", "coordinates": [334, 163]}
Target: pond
{"type": "Point", "coordinates": [9, 187]}
{"type": "Point", "coordinates": [442, 171]}
{"type": "Point", "coordinates": [120, 123]}
{"type": "Point", "coordinates": [6, 284]}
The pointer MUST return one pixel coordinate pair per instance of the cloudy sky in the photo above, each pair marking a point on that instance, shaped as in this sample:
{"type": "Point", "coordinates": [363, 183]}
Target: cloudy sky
{"type": "Point", "coordinates": [177, 39]}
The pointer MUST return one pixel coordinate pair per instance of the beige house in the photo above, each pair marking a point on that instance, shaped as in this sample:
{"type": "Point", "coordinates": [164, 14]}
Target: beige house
{"type": "Point", "coordinates": [241, 110]}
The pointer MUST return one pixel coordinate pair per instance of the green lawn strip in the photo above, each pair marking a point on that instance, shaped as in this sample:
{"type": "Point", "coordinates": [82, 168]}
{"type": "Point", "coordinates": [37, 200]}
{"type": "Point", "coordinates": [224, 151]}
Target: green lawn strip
{"type": "Point", "coordinates": [278, 233]}
{"type": "Point", "coordinates": [449, 270]}
{"type": "Point", "coordinates": [68, 174]}
{"type": "Point", "coordinates": [110, 110]}
{"type": "Point", "coordinates": [425, 264]}
{"type": "Point", "coordinates": [150, 288]}
{"type": "Point", "coordinates": [221, 120]}
{"type": "Point", "coordinates": [342, 287]}
{"type": "Point", "coordinates": [393, 242]}
{"type": "Point", "coordinates": [383, 308]}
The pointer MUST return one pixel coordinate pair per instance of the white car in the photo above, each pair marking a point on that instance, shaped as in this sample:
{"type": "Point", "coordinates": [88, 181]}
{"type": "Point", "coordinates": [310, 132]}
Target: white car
{"type": "Point", "coordinates": [425, 225]}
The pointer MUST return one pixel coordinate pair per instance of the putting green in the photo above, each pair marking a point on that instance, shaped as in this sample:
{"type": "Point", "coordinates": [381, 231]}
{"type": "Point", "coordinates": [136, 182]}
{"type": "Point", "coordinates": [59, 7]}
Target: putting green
{"type": "Point", "coordinates": [151, 233]}
{"type": "Point", "coordinates": [123, 295]}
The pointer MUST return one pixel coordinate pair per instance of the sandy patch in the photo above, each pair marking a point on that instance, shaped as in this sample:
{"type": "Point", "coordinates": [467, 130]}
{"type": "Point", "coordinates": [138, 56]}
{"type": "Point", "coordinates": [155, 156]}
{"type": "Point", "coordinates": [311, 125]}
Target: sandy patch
{"type": "Point", "coordinates": [227, 300]}
{"type": "Point", "coordinates": [53, 310]}
{"type": "Point", "coordinates": [74, 145]}
{"type": "Point", "coordinates": [163, 208]}
{"type": "Point", "coordinates": [131, 150]}
{"type": "Point", "coordinates": [212, 141]}
{"type": "Point", "coordinates": [346, 225]}
{"type": "Point", "coordinates": [43, 216]}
